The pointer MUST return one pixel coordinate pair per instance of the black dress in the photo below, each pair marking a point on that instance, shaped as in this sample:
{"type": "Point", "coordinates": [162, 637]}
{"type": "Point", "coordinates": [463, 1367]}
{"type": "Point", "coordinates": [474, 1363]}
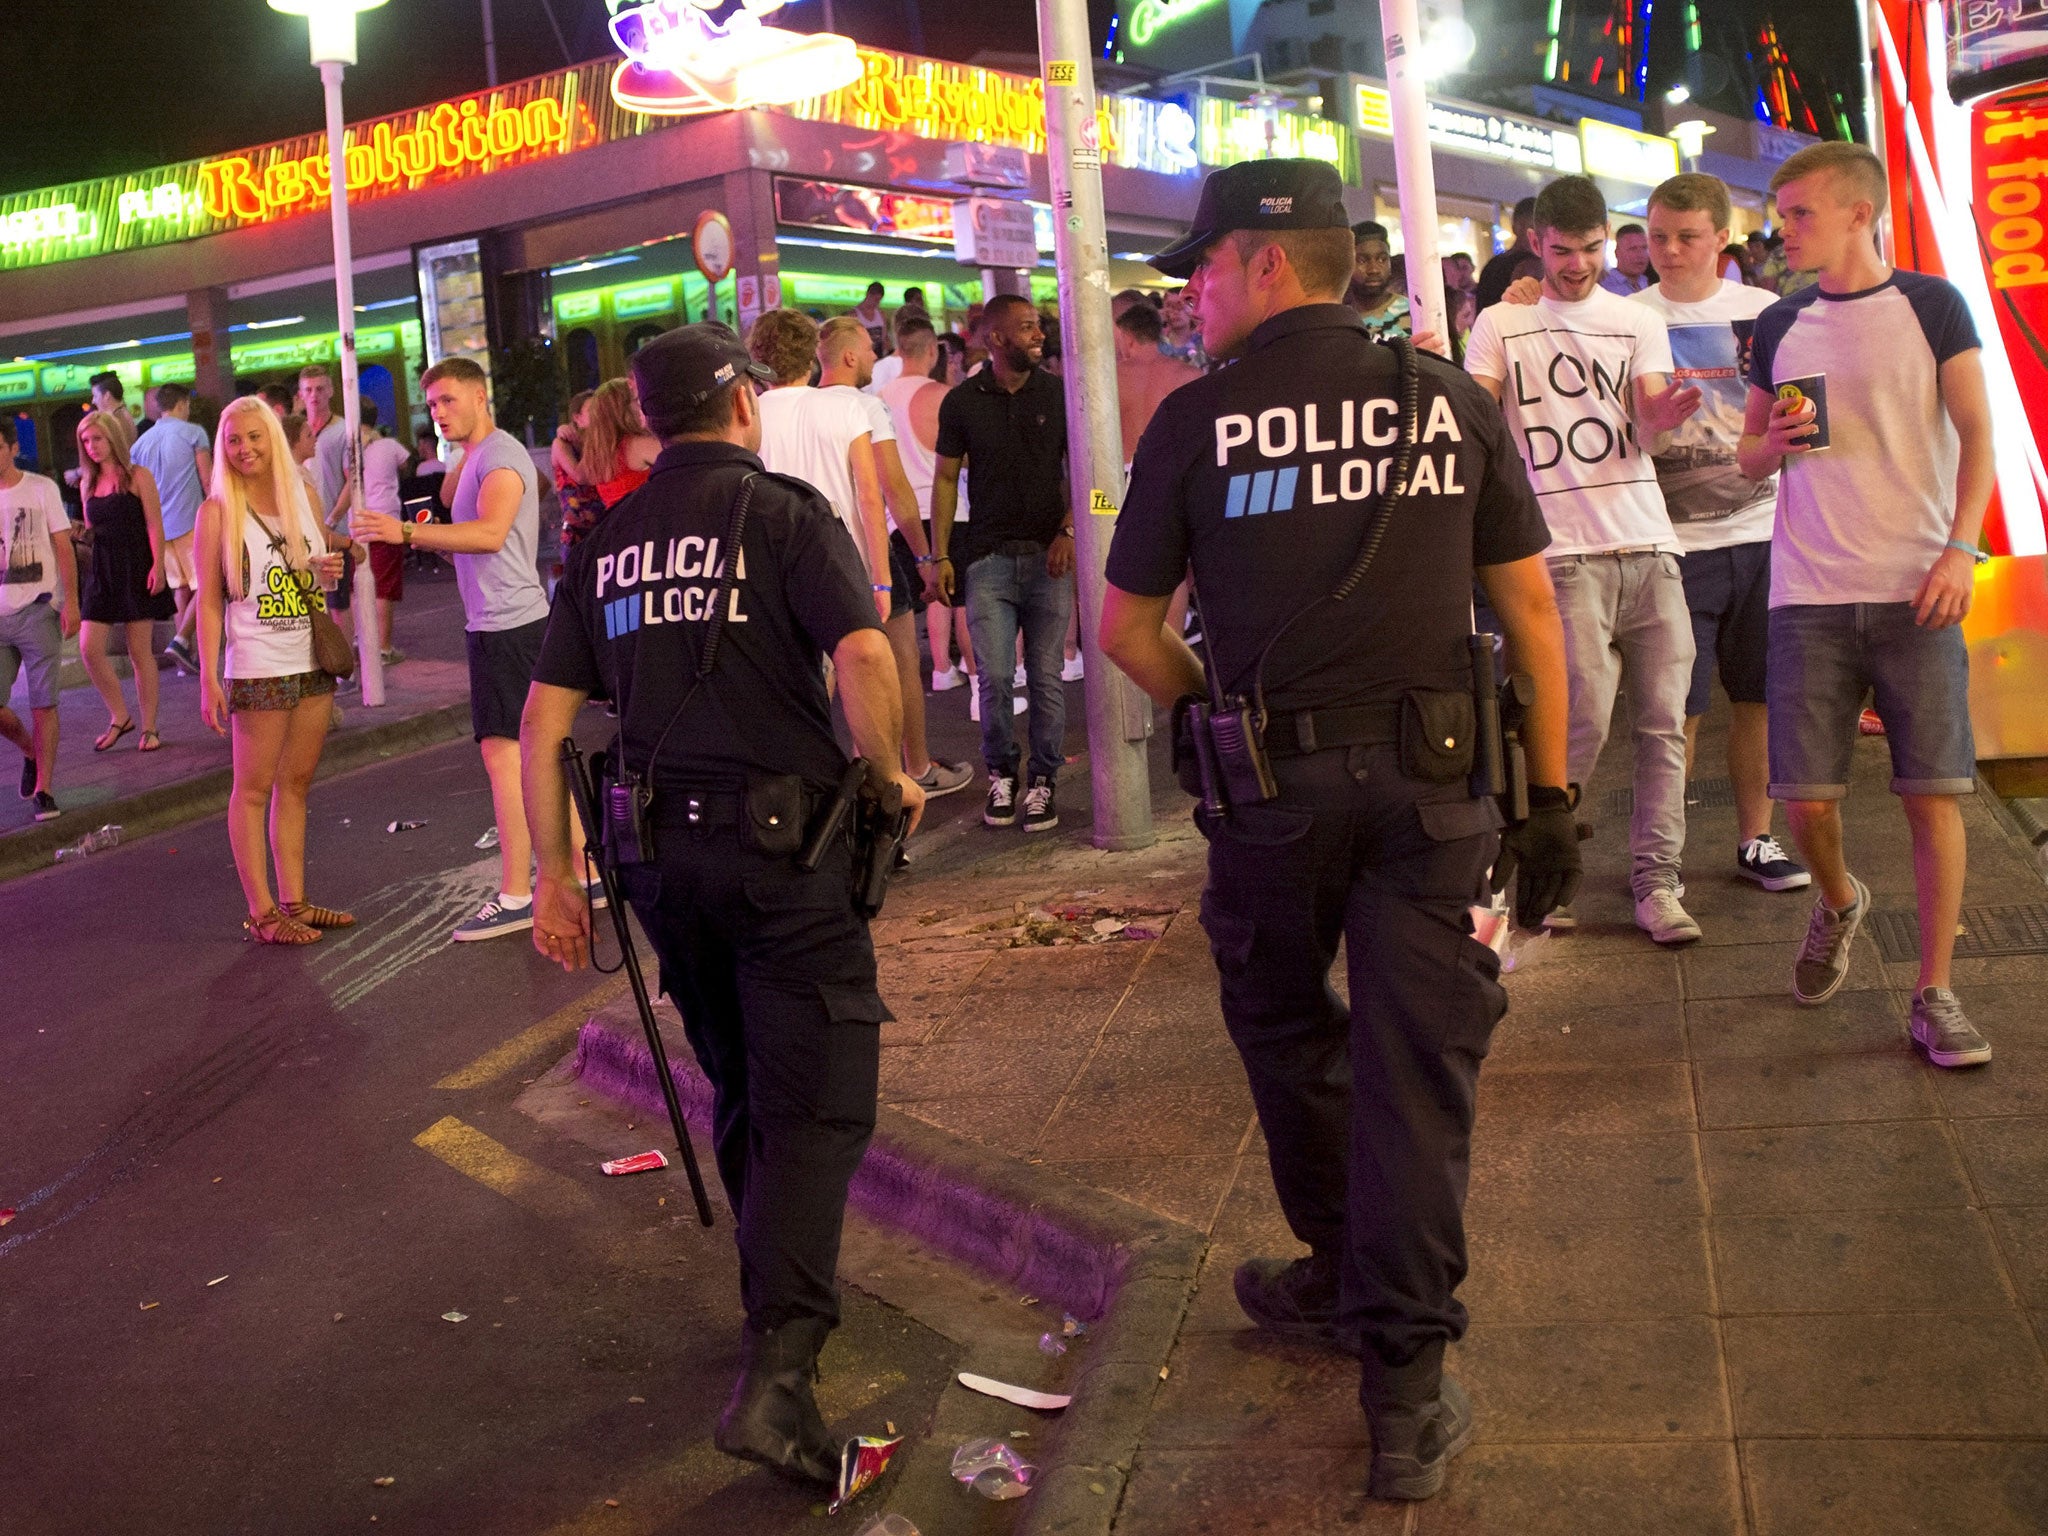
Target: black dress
{"type": "Point", "coordinates": [117, 582]}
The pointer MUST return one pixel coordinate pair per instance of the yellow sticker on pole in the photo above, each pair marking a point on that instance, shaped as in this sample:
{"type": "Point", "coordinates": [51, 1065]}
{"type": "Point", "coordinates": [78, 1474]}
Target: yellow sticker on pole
{"type": "Point", "coordinates": [1062, 72]}
{"type": "Point", "coordinates": [1099, 505]}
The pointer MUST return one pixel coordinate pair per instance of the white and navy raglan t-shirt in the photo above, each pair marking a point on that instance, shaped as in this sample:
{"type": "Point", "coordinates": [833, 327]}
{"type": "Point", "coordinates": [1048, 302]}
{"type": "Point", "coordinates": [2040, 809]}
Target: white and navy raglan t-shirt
{"type": "Point", "coordinates": [1862, 520]}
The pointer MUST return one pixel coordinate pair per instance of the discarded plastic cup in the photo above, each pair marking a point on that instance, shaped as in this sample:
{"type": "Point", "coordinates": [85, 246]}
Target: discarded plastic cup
{"type": "Point", "coordinates": [888, 1525]}
{"type": "Point", "coordinates": [1051, 1344]}
{"type": "Point", "coordinates": [93, 842]}
{"type": "Point", "coordinates": [489, 839]}
{"type": "Point", "coordinates": [993, 1470]}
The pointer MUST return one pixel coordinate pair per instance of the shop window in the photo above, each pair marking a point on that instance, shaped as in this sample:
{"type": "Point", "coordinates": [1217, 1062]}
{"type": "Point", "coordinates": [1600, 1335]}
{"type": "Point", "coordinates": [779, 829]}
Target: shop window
{"type": "Point", "coordinates": [374, 382]}
{"type": "Point", "coordinates": [639, 336]}
{"type": "Point", "coordinates": [580, 347]}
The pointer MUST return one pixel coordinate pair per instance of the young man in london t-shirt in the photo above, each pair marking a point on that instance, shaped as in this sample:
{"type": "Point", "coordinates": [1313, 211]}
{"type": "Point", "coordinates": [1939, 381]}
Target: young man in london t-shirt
{"type": "Point", "coordinates": [1580, 375]}
{"type": "Point", "coordinates": [1871, 561]}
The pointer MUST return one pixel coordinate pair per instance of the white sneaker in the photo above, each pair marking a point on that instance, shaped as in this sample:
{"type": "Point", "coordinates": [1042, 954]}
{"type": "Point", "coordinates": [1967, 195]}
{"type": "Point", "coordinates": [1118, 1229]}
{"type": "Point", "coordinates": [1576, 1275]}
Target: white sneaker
{"type": "Point", "coordinates": [1017, 679]}
{"type": "Point", "coordinates": [1660, 916]}
{"type": "Point", "coordinates": [946, 679]}
{"type": "Point", "coordinates": [974, 705]}
{"type": "Point", "coordinates": [1072, 671]}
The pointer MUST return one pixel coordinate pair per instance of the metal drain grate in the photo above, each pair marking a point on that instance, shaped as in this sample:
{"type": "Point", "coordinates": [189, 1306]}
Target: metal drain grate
{"type": "Point", "coordinates": [1700, 792]}
{"type": "Point", "coordinates": [1987, 932]}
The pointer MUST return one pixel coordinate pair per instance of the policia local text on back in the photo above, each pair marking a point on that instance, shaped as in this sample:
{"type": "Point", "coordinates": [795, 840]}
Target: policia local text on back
{"type": "Point", "coordinates": [725, 768]}
{"type": "Point", "coordinates": [1334, 554]}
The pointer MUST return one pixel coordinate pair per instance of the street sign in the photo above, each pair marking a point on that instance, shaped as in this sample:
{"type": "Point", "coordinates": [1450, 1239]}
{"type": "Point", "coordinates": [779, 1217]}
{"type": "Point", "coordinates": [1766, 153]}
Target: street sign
{"type": "Point", "coordinates": [711, 246]}
{"type": "Point", "coordinates": [990, 232]}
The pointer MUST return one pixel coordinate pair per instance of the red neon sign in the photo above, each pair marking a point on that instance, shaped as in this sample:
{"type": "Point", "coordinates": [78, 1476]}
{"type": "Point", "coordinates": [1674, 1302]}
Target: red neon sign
{"type": "Point", "coordinates": [449, 138]}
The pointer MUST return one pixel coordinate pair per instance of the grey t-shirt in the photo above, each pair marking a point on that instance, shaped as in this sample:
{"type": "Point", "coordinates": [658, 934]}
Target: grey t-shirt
{"type": "Point", "coordinates": [329, 472]}
{"type": "Point", "coordinates": [501, 591]}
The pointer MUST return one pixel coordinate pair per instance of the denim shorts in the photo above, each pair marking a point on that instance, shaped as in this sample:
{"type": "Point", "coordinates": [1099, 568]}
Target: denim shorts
{"type": "Point", "coordinates": [1825, 659]}
{"type": "Point", "coordinates": [1728, 592]}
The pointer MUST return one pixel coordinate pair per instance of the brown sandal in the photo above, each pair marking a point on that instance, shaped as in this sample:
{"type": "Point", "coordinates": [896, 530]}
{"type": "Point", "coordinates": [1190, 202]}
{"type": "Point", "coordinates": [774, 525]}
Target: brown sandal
{"type": "Point", "coordinates": [276, 927]}
{"type": "Point", "coordinates": [317, 917]}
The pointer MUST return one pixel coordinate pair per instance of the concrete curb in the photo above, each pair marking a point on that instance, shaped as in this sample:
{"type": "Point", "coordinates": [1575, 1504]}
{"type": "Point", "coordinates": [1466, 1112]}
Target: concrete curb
{"type": "Point", "coordinates": [187, 800]}
{"type": "Point", "coordinates": [1127, 1272]}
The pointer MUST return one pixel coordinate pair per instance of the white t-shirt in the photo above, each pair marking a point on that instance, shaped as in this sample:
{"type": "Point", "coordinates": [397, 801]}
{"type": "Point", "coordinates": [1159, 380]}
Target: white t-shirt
{"type": "Point", "coordinates": [890, 367]}
{"type": "Point", "coordinates": [31, 511]}
{"type": "Point", "coordinates": [1711, 502]}
{"type": "Point", "coordinates": [807, 432]}
{"type": "Point", "coordinates": [881, 429]}
{"type": "Point", "coordinates": [269, 629]}
{"type": "Point", "coordinates": [1565, 372]}
{"type": "Point", "coordinates": [383, 462]}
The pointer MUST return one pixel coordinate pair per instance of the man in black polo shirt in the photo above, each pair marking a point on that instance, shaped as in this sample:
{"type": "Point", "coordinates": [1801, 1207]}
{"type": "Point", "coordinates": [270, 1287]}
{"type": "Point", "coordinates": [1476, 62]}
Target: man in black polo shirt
{"type": "Point", "coordinates": [1015, 560]}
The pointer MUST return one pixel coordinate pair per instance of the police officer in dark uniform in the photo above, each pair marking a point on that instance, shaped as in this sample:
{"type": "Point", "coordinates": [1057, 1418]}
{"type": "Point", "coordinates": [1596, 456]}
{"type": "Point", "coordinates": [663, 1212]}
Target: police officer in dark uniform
{"type": "Point", "coordinates": [1267, 477]}
{"type": "Point", "coordinates": [770, 966]}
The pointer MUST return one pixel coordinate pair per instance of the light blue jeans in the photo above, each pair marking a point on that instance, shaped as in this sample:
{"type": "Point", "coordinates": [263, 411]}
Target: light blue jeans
{"type": "Point", "coordinates": [1626, 624]}
{"type": "Point", "coordinates": [1009, 590]}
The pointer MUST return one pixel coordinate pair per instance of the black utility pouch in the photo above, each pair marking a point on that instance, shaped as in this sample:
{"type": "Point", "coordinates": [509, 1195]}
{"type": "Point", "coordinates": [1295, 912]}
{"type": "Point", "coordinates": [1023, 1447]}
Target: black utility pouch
{"type": "Point", "coordinates": [775, 813]}
{"type": "Point", "coordinates": [1187, 763]}
{"type": "Point", "coordinates": [1437, 730]}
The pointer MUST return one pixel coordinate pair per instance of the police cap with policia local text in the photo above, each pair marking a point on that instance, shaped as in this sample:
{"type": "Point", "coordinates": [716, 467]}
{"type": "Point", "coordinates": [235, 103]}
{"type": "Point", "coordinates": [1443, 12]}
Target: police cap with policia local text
{"type": "Point", "coordinates": [682, 367]}
{"type": "Point", "coordinates": [1257, 194]}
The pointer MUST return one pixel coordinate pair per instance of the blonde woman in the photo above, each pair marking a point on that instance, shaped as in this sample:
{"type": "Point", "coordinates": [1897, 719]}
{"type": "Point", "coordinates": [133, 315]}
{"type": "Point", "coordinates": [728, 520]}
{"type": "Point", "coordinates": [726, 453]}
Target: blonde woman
{"type": "Point", "coordinates": [124, 583]}
{"type": "Point", "coordinates": [618, 450]}
{"type": "Point", "coordinates": [263, 562]}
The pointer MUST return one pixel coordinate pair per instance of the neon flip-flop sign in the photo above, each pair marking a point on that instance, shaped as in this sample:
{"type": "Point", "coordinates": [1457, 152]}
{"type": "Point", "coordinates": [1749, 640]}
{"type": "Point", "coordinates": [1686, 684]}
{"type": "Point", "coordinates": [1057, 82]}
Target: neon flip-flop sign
{"type": "Point", "coordinates": [691, 56]}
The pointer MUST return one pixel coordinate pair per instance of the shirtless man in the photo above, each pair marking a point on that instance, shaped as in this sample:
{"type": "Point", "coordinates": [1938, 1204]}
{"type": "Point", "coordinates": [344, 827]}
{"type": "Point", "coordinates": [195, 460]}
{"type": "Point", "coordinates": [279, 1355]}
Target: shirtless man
{"type": "Point", "coordinates": [1144, 375]}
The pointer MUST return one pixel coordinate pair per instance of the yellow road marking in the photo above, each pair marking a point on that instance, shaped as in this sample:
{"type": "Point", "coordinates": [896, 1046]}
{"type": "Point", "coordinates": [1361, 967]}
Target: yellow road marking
{"type": "Point", "coordinates": [471, 1153]}
{"type": "Point", "coordinates": [651, 1499]}
{"type": "Point", "coordinates": [550, 1037]}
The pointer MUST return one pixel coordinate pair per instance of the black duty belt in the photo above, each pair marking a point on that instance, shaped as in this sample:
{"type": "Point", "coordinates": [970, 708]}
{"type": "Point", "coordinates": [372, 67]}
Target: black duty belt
{"type": "Point", "coordinates": [1296, 733]}
{"type": "Point", "coordinates": [707, 809]}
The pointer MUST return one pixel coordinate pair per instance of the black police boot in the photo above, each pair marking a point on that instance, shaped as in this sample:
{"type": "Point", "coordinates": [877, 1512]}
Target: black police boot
{"type": "Point", "coordinates": [1420, 1418]}
{"type": "Point", "coordinates": [1294, 1299]}
{"type": "Point", "coordinates": [773, 1418]}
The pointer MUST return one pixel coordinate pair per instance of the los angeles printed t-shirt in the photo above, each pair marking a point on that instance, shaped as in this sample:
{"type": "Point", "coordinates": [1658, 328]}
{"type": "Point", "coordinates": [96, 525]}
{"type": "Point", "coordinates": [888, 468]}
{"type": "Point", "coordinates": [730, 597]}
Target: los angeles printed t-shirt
{"type": "Point", "coordinates": [502, 590]}
{"type": "Point", "coordinates": [168, 451]}
{"type": "Point", "coordinates": [806, 433]}
{"type": "Point", "coordinates": [1712, 503]}
{"type": "Point", "coordinates": [1565, 372]}
{"type": "Point", "coordinates": [1863, 520]}
{"type": "Point", "coordinates": [31, 512]}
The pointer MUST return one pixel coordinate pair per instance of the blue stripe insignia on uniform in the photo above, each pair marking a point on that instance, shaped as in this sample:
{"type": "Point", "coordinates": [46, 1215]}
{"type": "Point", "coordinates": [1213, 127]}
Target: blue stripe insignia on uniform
{"type": "Point", "coordinates": [1262, 493]}
{"type": "Point", "coordinates": [1234, 506]}
{"type": "Point", "coordinates": [1283, 487]}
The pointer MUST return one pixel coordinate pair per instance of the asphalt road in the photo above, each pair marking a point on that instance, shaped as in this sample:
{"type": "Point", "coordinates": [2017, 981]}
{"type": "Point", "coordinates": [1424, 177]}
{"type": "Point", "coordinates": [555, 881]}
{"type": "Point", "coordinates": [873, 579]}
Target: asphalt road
{"type": "Point", "coordinates": [252, 1181]}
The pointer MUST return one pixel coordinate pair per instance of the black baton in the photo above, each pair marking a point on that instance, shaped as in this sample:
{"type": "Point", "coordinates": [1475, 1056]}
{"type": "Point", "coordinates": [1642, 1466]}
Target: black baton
{"type": "Point", "coordinates": [585, 796]}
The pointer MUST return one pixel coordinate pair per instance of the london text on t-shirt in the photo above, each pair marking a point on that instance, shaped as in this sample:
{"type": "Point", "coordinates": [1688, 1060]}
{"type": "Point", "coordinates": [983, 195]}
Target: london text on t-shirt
{"type": "Point", "coordinates": [1565, 372]}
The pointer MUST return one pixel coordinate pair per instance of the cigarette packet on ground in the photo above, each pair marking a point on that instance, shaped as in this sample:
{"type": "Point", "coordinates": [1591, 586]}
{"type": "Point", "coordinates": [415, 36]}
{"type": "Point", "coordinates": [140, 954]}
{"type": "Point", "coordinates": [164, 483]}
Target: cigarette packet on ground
{"type": "Point", "coordinates": [639, 1162]}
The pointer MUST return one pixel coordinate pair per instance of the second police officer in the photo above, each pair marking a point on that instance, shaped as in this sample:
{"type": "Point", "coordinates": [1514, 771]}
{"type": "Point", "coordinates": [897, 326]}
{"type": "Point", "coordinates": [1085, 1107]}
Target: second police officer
{"type": "Point", "coordinates": [1268, 478]}
{"type": "Point", "coordinates": [770, 966]}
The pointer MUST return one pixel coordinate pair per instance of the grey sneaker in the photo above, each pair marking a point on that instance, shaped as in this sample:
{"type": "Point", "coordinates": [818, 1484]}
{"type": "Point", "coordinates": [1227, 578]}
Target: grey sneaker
{"type": "Point", "coordinates": [1823, 962]}
{"type": "Point", "coordinates": [1939, 1029]}
{"type": "Point", "coordinates": [1660, 916]}
{"type": "Point", "coordinates": [1562, 919]}
{"type": "Point", "coordinates": [944, 778]}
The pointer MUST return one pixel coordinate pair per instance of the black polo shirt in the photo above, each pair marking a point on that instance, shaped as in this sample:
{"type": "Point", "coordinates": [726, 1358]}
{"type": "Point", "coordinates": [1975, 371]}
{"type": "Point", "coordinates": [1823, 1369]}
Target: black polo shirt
{"type": "Point", "coordinates": [630, 610]}
{"type": "Point", "coordinates": [1015, 444]}
{"type": "Point", "coordinates": [1263, 477]}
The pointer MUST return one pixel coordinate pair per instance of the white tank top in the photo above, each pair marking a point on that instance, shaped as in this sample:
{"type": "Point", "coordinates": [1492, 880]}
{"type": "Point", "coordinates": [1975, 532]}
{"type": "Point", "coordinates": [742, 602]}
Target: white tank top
{"type": "Point", "coordinates": [920, 464]}
{"type": "Point", "coordinates": [270, 630]}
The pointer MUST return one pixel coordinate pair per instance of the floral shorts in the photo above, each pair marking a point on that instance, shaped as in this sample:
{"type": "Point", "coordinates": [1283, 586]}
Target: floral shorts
{"type": "Point", "coordinates": [276, 692]}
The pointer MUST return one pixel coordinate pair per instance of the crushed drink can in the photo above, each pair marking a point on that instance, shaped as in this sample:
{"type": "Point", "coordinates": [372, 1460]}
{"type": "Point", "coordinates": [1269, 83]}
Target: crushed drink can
{"type": "Point", "coordinates": [639, 1162]}
{"type": "Point", "coordinates": [861, 1460]}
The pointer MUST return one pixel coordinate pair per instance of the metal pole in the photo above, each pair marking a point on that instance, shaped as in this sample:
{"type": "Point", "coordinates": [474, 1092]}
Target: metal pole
{"type": "Point", "coordinates": [1119, 717]}
{"type": "Point", "coordinates": [490, 46]}
{"type": "Point", "coordinates": [1414, 175]}
{"type": "Point", "coordinates": [1873, 115]}
{"type": "Point", "coordinates": [370, 666]}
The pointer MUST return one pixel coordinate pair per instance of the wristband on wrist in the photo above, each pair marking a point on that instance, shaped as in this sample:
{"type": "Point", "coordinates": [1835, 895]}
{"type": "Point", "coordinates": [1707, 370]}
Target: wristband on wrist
{"type": "Point", "coordinates": [1971, 550]}
{"type": "Point", "coordinates": [878, 587]}
{"type": "Point", "coordinates": [929, 559]}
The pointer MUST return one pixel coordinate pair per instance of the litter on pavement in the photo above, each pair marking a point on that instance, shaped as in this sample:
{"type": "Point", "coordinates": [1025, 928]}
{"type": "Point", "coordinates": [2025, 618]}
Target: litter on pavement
{"type": "Point", "coordinates": [639, 1162]}
{"type": "Point", "coordinates": [993, 1470]}
{"type": "Point", "coordinates": [863, 1459]}
{"type": "Point", "coordinates": [404, 826]}
{"type": "Point", "coordinates": [1023, 1397]}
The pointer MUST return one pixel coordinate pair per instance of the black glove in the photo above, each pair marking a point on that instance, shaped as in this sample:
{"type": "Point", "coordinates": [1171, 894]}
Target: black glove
{"type": "Point", "coordinates": [1544, 850]}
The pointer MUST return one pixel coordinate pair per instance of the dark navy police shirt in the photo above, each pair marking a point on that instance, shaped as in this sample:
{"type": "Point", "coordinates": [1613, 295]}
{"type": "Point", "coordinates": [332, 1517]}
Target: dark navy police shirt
{"type": "Point", "coordinates": [1263, 476]}
{"type": "Point", "coordinates": [628, 621]}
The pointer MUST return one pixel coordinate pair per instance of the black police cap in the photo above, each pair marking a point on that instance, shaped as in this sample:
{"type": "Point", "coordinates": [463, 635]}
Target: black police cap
{"type": "Point", "coordinates": [681, 368]}
{"type": "Point", "coordinates": [1258, 194]}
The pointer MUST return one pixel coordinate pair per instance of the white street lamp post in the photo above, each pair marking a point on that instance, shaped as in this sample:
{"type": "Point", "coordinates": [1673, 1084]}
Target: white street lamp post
{"type": "Point", "coordinates": [331, 29]}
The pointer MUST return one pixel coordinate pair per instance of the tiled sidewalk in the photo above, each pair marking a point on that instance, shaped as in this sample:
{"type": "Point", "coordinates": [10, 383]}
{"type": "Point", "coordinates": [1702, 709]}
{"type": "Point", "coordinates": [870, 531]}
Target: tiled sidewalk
{"type": "Point", "coordinates": [1736, 1265]}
